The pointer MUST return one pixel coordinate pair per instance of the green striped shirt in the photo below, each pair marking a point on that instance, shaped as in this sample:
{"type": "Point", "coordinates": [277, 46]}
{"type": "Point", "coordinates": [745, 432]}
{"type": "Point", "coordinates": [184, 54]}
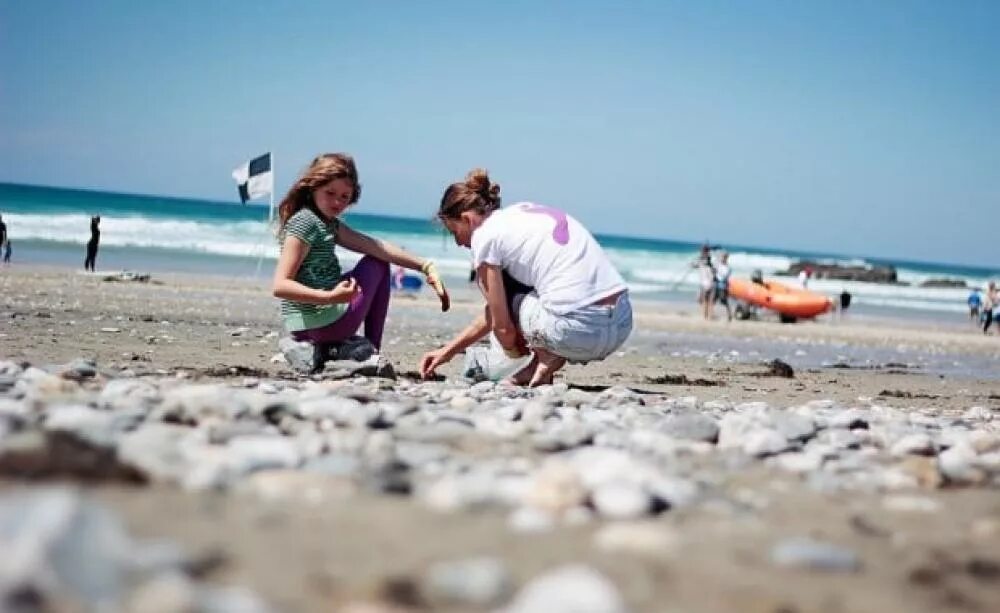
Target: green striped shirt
{"type": "Point", "coordinates": [320, 269]}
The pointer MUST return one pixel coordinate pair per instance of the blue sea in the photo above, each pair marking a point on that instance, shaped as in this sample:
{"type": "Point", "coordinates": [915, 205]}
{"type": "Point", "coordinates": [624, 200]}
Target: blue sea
{"type": "Point", "coordinates": [149, 233]}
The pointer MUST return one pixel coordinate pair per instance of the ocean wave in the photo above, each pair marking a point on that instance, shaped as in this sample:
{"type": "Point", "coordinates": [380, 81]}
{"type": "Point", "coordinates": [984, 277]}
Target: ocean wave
{"type": "Point", "coordinates": [645, 270]}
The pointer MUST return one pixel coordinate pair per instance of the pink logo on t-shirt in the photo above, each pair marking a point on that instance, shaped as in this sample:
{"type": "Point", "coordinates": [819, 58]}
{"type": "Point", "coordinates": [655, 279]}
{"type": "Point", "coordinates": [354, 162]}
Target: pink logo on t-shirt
{"type": "Point", "coordinates": [560, 234]}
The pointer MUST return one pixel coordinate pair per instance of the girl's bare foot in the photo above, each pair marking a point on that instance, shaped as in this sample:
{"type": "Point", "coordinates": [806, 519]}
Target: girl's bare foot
{"type": "Point", "coordinates": [548, 364]}
{"type": "Point", "coordinates": [523, 376]}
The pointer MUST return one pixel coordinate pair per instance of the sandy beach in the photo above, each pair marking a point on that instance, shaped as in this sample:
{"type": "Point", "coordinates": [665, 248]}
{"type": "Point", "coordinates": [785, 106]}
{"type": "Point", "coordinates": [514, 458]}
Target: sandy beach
{"type": "Point", "coordinates": [873, 459]}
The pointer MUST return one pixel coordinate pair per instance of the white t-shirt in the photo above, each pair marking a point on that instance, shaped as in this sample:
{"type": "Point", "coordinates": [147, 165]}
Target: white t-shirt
{"type": "Point", "coordinates": [548, 250]}
{"type": "Point", "coordinates": [722, 273]}
{"type": "Point", "coordinates": [803, 279]}
{"type": "Point", "coordinates": [706, 275]}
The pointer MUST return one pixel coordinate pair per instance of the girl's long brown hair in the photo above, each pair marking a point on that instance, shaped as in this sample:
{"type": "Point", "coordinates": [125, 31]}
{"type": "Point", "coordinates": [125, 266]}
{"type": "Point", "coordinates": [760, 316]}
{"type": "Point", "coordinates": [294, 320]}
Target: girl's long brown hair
{"type": "Point", "coordinates": [323, 169]}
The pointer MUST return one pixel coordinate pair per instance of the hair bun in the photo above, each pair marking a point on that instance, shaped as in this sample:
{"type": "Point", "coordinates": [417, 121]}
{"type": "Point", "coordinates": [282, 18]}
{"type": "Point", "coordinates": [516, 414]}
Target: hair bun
{"type": "Point", "coordinates": [478, 180]}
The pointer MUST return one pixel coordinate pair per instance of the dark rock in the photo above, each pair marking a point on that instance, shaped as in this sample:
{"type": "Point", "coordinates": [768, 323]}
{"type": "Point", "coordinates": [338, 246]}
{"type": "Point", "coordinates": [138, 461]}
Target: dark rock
{"type": "Point", "coordinates": [943, 282]}
{"type": "Point", "coordinates": [868, 273]}
{"type": "Point", "coordinates": [777, 368]}
{"type": "Point", "coordinates": [34, 455]}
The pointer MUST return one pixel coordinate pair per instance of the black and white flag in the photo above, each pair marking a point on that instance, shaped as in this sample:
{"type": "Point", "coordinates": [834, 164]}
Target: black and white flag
{"type": "Point", "coordinates": [255, 178]}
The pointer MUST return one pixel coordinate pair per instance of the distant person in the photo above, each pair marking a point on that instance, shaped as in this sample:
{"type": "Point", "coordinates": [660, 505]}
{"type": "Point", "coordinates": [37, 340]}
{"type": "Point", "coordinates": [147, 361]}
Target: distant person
{"type": "Point", "coordinates": [6, 252]}
{"type": "Point", "coordinates": [321, 306]}
{"type": "Point", "coordinates": [706, 280]}
{"type": "Point", "coordinates": [93, 243]}
{"type": "Point", "coordinates": [845, 301]}
{"type": "Point", "coordinates": [975, 302]}
{"type": "Point", "coordinates": [3, 231]}
{"type": "Point", "coordinates": [404, 284]}
{"type": "Point", "coordinates": [569, 305]}
{"type": "Point", "coordinates": [804, 275]}
{"type": "Point", "coordinates": [398, 274]}
{"type": "Point", "coordinates": [990, 302]}
{"type": "Point", "coordinates": [757, 277]}
{"type": "Point", "coordinates": [722, 274]}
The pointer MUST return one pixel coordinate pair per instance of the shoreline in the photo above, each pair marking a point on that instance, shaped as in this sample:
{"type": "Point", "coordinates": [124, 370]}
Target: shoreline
{"type": "Point", "coordinates": [163, 260]}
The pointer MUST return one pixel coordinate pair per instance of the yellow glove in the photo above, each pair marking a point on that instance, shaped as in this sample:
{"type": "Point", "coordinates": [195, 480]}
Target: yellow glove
{"type": "Point", "coordinates": [514, 353]}
{"type": "Point", "coordinates": [434, 280]}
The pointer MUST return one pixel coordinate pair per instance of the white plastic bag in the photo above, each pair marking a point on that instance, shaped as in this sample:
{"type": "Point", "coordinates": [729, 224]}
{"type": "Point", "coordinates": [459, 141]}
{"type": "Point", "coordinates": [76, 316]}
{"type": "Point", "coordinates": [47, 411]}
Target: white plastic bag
{"type": "Point", "coordinates": [491, 363]}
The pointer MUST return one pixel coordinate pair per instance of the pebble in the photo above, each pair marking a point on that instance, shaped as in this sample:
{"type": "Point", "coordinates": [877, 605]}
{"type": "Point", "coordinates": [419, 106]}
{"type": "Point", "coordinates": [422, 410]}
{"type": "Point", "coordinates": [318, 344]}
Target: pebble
{"type": "Point", "coordinates": [765, 442]}
{"type": "Point", "coordinates": [960, 466]}
{"type": "Point", "coordinates": [814, 555]}
{"type": "Point", "coordinates": [638, 538]}
{"type": "Point", "coordinates": [575, 588]}
{"type": "Point", "coordinates": [621, 500]}
{"type": "Point", "coordinates": [690, 427]}
{"type": "Point", "coordinates": [476, 582]}
{"type": "Point", "coordinates": [913, 444]}
{"type": "Point", "coordinates": [910, 504]}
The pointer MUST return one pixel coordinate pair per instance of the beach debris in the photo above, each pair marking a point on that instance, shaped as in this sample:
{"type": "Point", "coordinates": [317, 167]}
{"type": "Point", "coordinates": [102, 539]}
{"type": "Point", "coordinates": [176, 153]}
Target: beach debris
{"type": "Point", "coordinates": [682, 380]}
{"type": "Point", "coordinates": [907, 394]}
{"type": "Point", "coordinates": [127, 276]}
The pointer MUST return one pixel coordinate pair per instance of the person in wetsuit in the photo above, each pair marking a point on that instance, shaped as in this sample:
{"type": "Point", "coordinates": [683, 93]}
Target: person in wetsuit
{"type": "Point", "coordinates": [92, 244]}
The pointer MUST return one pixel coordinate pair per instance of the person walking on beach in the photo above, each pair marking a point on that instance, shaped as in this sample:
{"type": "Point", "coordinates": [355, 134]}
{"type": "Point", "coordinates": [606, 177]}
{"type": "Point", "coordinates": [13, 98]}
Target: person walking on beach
{"type": "Point", "coordinates": [93, 243]}
{"type": "Point", "coordinates": [549, 288]}
{"type": "Point", "coordinates": [4, 241]}
{"type": "Point", "coordinates": [845, 302]}
{"type": "Point", "coordinates": [975, 302]}
{"type": "Point", "coordinates": [706, 281]}
{"type": "Point", "coordinates": [722, 274]}
{"type": "Point", "coordinates": [321, 306]}
{"type": "Point", "coordinates": [991, 301]}
{"type": "Point", "coordinates": [804, 275]}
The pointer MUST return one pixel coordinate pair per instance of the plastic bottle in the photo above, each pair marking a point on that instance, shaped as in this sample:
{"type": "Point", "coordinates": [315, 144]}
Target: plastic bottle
{"type": "Point", "coordinates": [491, 363]}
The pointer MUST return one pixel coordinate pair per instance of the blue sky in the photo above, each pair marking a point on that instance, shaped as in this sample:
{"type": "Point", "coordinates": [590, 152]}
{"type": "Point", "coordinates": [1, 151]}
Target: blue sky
{"type": "Point", "coordinates": [863, 128]}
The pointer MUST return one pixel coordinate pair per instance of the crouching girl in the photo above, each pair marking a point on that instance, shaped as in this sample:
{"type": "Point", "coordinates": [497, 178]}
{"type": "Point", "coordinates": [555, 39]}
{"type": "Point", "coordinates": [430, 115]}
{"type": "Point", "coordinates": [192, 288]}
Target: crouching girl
{"type": "Point", "coordinates": [320, 305]}
{"type": "Point", "coordinates": [548, 285]}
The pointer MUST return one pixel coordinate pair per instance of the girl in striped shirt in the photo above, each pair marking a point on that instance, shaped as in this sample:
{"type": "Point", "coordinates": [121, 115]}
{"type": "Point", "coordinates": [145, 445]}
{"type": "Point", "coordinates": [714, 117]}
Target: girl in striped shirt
{"type": "Point", "coordinates": [321, 305]}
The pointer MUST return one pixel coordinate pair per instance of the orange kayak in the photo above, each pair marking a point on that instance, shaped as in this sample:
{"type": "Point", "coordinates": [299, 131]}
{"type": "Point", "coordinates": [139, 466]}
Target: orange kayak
{"type": "Point", "coordinates": [789, 301]}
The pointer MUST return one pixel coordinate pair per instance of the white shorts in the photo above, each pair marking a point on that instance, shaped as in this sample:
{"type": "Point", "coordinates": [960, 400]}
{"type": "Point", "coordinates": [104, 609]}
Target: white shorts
{"type": "Point", "coordinates": [589, 333]}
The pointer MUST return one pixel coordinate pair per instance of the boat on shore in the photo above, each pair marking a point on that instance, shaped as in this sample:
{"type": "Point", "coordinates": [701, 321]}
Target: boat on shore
{"type": "Point", "coordinates": [789, 303]}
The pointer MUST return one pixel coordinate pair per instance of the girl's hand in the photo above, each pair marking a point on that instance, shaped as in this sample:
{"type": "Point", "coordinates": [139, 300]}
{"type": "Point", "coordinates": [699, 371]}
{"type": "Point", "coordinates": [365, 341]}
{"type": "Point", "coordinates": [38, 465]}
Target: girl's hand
{"type": "Point", "coordinates": [345, 291]}
{"type": "Point", "coordinates": [434, 280]}
{"type": "Point", "coordinates": [431, 360]}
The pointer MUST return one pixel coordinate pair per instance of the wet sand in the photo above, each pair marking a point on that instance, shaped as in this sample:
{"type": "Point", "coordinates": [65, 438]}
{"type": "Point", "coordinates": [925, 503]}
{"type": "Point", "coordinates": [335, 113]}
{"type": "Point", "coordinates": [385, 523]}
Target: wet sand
{"type": "Point", "coordinates": [358, 547]}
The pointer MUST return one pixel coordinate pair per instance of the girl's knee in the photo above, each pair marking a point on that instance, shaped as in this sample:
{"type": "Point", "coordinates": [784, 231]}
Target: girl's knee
{"type": "Point", "coordinates": [375, 262]}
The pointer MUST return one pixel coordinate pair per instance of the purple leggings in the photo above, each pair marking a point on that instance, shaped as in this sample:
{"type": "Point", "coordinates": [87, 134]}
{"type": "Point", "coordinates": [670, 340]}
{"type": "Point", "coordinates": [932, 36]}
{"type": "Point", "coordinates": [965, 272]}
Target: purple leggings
{"type": "Point", "coordinates": [370, 305]}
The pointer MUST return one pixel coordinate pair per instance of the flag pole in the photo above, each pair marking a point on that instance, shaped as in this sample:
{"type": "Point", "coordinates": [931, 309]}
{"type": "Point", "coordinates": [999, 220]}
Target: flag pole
{"type": "Point", "coordinates": [270, 209]}
{"type": "Point", "coordinates": [270, 217]}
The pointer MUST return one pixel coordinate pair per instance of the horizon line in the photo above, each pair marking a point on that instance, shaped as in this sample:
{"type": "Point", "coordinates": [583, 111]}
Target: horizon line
{"type": "Point", "coordinates": [761, 250]}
